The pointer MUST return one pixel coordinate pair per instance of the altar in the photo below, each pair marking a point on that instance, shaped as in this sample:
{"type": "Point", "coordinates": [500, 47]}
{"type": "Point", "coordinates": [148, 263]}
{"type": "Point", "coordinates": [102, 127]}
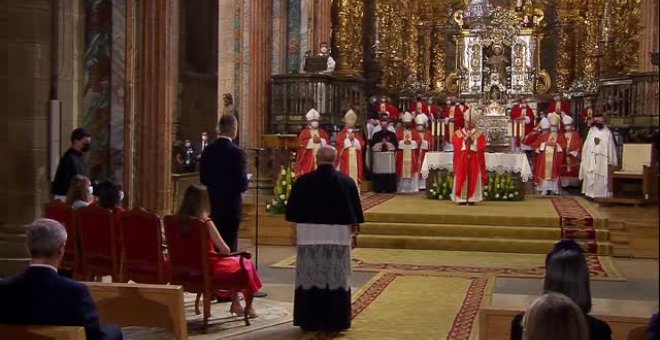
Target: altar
{"type": "Point", "coordinates": [506, 174]}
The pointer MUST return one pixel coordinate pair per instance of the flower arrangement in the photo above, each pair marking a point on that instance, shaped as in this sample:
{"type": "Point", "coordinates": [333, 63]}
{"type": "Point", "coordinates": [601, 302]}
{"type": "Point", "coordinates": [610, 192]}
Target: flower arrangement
{"type": "Point", "coordinates": [281, 191]}
{"type": "Point", "coordinates": [441, 187]}
{"type": "Point", "coordinates": [502, 187]}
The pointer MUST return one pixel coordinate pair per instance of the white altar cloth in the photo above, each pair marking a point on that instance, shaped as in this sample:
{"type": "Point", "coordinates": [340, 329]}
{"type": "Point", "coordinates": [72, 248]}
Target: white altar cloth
{"type": "Point", "coordinates": [495, 161]}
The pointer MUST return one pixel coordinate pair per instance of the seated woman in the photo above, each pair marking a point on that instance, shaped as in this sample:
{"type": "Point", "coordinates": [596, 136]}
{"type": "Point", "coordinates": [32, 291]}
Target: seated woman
{"type": "Point", "coordinates": [566, 272]}
{"type": "Point", "coordinates": [554, 316]}
{"type": "Point", "coordinates": [110, 196]}
{"type": "Point", "coordinates": [80, 192]}
{"type": "Point", "coordinates": [196, 204]}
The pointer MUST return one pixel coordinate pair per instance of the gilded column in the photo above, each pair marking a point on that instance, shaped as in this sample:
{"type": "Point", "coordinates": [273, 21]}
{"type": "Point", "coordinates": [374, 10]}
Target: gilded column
{"type": "Point", "coordinates": [259, 41]}
{"type": "Point", "coordinates": [322, 22]}
{"type": "Point", "coordinates": [439, 55]}
{"type": "Point", "coordinates": [590, 47]}
{"type": "Point", "coordinates": [565, 51]}
{"type": "Point", "coordinates": [349, 49]}
{"type": "Point", "coordinates": [158, 83]}
{"type": "Point", "coordinates": [411, 34]}
{"type": "Point", "coordinates": [648, 36]}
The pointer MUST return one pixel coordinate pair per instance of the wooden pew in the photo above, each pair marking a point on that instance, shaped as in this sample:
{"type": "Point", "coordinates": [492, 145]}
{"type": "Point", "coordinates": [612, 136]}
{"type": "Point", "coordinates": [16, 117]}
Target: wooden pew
{"type": "Point", "coordinates": [15, 332]}
{"type": "Point", "coordinates": [495, 324]}
{"type": "Point", "coordinates": [141, 305]}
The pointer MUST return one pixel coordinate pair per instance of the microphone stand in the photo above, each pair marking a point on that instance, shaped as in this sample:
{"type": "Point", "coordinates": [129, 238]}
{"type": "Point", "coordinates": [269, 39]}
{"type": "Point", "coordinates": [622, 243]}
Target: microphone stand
{"type": "Point", "coordinates": [256, 218]}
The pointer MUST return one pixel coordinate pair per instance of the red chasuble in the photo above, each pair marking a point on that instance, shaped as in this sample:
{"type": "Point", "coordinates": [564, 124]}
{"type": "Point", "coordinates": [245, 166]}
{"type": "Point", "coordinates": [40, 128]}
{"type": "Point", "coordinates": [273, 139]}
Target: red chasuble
{"type": "Point", "coordinates": [389, 108]}
{"type": "Point", "coordinates": [407, 155]}
{"type": "Point", "coordinates": [517, 112]}
{"type": "Point", "coordinates": [559, 107]}
{"type": "Point", "coordinates": [452, 111]}
{"type": "Point", "coordinates": [306, 157]}
{"type": "Point", "coordinates": [425, 143]}
{"type": "Point", "coordinates": [548, 162]}
{"type": "Point", "coordinates": [572, 162]}
{"type": "Point", "coordinates": [350, 156]}
{"type": "Point", "coordinates": [469, 160]}
{"type": "Point", "coordinates": [422, 106]}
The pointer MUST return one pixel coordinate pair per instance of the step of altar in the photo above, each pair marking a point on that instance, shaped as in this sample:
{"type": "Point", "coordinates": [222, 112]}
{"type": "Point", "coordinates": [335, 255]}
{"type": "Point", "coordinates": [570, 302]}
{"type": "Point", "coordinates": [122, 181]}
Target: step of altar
{"type": "Point", "coordinates": [469, 231]}
{"type": "Point", "coordinates": [503, 245]}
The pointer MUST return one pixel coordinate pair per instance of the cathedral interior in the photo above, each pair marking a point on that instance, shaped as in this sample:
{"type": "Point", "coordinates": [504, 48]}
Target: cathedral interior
{"type": "Point", "coordinates": [148, 77]}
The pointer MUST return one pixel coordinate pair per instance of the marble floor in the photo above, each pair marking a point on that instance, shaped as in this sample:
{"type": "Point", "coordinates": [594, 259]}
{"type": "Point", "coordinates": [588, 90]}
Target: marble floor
{"type": "Point", "coordinates": [637, 295]}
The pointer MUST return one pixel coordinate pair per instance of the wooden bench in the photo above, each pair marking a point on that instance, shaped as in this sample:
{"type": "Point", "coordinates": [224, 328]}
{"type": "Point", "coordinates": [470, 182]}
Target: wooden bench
{"type": "Point", "coordinates": [141, 305]}
{"type": "Point", "coordinates": [495, 324]}
{"type": "Point", "coordinates": [15, 332]}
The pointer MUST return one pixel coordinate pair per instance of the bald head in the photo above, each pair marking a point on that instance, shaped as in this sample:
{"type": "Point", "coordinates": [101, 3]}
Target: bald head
{"type": "Point", "coordinates": [326, 155]}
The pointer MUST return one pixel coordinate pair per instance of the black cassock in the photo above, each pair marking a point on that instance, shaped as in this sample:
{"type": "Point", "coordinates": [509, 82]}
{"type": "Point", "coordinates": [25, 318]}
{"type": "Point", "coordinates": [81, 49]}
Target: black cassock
{"type": "Point", "coordinates": [383, 162]}
{"type": "Point", "coordinates": [324, 204]}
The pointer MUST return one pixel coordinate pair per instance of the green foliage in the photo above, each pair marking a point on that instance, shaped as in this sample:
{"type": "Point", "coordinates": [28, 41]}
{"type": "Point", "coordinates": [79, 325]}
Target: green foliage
{"type": "Point", "coordinates": [442, 186]}
{"type": "Point", "coordinates": [281, 191]}
{"type": "Point", "coordinates": [500, 187]}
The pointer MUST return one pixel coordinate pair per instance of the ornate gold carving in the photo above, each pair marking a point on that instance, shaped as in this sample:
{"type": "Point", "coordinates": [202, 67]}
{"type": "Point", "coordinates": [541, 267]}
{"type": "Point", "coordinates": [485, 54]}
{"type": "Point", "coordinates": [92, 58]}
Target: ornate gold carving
{"type": "Point", "coordinates": [620, 34]}
{"type": "Point", "coordinates": [452, 83]}
{"type": "Point", "coordinates": [544, 82]}
{"type": "Point", "coordinates": [349, 37]}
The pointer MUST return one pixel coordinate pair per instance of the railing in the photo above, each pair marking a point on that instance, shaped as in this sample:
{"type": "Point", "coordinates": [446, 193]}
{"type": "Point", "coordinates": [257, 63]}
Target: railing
{"type": "Point", "coordinates": [293, 95]}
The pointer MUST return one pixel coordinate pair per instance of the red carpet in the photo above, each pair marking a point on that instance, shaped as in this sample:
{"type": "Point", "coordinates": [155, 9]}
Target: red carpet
{"type": "Point", "coordinates": [576, 223]}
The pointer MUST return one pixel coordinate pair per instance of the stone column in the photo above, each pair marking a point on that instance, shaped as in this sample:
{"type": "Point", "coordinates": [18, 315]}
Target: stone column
{"type": "Point", "coordinates": [648, 36]}
{"type": "Point", "coordinates": [25, 87]}
{"type": "Point", "coordinates": [158, 75]}
{"type": "Point", "coordinates": [259, 41]}
{"type": "Point", "coordinates": [322, 23]}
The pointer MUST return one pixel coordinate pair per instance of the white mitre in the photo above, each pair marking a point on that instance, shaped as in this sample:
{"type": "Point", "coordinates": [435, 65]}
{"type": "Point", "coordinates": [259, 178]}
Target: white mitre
{"type": "Point", "coordinates": [313, 115]}
{"type": "Point", "coordinates": [407, 117]}
{"type": "Point", "coordinates": [567, 120]}
{"type": "Point", "coordinates": [421, 119]}
{"type": "Point", "coordinates": [545, 123]}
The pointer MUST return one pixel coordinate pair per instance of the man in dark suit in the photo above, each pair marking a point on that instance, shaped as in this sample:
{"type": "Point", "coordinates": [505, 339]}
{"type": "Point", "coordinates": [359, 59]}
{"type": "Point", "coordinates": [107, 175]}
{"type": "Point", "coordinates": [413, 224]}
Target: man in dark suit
{"type": "Point", "coordinates": [71, 163]}
{"type": "Point", "coordinates": [40, 297]}
{"type": "Point", "coordinates": [223, 171]}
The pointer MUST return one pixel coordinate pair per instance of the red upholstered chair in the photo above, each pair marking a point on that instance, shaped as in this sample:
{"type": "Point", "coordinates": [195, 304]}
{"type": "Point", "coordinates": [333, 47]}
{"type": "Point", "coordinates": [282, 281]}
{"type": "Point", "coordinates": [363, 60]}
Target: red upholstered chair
{"type": "Point", "coordinates": [98, 239]}
{"type": "Point", "coordinates": [63, 213]}
{"type": "Point", "coordinates": [142, 258]}
{"type": "Point", "coordinates": [191, 263]}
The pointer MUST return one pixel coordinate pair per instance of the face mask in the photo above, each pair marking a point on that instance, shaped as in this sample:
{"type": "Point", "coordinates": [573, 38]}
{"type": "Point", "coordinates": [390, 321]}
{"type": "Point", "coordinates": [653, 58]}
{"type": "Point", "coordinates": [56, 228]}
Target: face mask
{"type": "Point", "coordinates": [324, 50]}
{"type": "Point", "coordinates": [90, 189]}
{"type": "Point", "coordinates": [86, 147]}
{"type": "Point", "coordinates": [314, 125]}
{"type": "Point", "coordinates": [557, 99]}
{"type": "Point", "coordinates": [599, 126]}
{"type": "Point", "coordinates": [448, 102]}
{"type": "Point", "coordinates": [406, 126]}
{"type": "Point", "coordinates": [121, 196]}
{"type": "Point", "coordinates": [204, 138]}
{"type": "Point", "coordinates": [419, 99]}
{"type": "Point", "coordinates": [187, 145]}
{"type": "Point", "coordinates": [420, 127]}
{"type": "Point", "coordinates": [554, 129]}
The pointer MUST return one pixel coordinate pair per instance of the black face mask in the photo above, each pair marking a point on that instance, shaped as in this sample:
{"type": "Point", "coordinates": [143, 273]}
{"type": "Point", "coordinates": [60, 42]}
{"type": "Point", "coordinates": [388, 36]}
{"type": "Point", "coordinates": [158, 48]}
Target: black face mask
{"type": "Point", "coordinates": [86, 147]}
{"type": "Point", "coordinates": [419, 99]}
{"type": "Point", "coordinates": [599, 126]}
{"type": "Point", "coordinates": [407, 126]}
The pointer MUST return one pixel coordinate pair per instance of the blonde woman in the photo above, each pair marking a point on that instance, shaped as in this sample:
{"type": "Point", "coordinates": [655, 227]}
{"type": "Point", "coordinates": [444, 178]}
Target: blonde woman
{"type": "Point", "coordinates": [80, 192]}
{"type": "Point", "coordinates": [554, 316]}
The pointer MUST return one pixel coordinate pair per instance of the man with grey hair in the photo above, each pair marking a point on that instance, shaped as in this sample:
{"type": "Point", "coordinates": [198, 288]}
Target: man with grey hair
{"type": "Point", "coordinates": [325, 205]}
{"type": "Point", "coordinates": [41, 297]}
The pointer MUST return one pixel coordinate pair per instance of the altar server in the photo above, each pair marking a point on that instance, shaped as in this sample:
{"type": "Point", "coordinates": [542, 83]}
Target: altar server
{"type": "Point", "coordinates": [469, 163]}
{"type": "Point", "coordinates": [425, 141]}
{"type": "Point", "coordinates": [598, 154]}
{"type": "Point", "coordinates": [407, 155]}
{"type": "Point", "coordinates": [571, 168]}
{"type": "Point", "coordinates": [350, 146]}
{"type": "Point", "coordinates": [453, 121]}
{"type": "Point", "coordinates": [310, 140]}
{"type": "Point", "coordinates": [549, 149]}
{"type": "Point", "coordinates": [383, 145]}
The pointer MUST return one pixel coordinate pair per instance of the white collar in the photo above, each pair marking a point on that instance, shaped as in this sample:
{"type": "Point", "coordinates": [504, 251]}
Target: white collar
{"type": "Point", "coordinates": [225, 137]}
{"type": "Point", "coordinates": [41, 265]}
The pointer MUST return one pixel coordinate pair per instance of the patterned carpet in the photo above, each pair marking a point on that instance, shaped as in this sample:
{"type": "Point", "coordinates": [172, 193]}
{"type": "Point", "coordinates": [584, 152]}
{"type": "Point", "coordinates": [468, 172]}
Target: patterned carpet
{"type": "Point", "coordinates": [601, 268]}
{"type": "Point", "coordinates": [387, 307]}
{"type": "Point", "coordinates": [576, 223]}
{"type": "Point", "coordinates": [371, 199]}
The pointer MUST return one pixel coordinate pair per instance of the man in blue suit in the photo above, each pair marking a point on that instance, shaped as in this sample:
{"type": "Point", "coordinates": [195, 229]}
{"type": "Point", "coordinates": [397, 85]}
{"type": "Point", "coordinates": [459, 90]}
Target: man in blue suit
{"type": "Point", "coordinates": [41, 297]}
{"type": "Point", "coordinates": [223, 172]}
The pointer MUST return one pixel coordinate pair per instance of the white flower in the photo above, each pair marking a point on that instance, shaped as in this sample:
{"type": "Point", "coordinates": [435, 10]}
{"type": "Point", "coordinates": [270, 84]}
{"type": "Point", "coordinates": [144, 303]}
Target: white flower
{"type": "Point", "coordinates": [432, 191]}
{"type": "Point", "coordinates": [497, 186]}
{"type": "Point", "coordinates": [285, 202]}
{"type": "Point", "coordinates": [497, 195]}
{"type": "Point", "coordinates": [275, 203]}
{"type": "Point", "coordinates": [283, 172]}
{"type": "Point", "coordinates": [439, 197]}
{"type": "Point", "coordinates": [267, 207]}
{"type": "Point", "coordinates": [515, 193]}
{"type": "Point", "coordinates": [510, 195]}
{"type": "Point", "coordinates": [293, 174]}
{"type": "Point", "coordinates": [282, 197]}
{"type": "Point", "coordinates": [283, 182]}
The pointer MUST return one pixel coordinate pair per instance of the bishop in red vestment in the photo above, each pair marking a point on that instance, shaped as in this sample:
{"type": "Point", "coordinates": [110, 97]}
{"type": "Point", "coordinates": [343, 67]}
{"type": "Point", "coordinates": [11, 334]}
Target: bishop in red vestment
{"type": "Point", "coordinates": [386, 107]}
{"type": "Point", "coordinates": [571, 169]}
{"type": "Point", "coordinates": [310, 140]}
{"type": "Point", "coordinates": [549, 149]}
{"type": "Point", "coordinates": [419, 106]}
{"type": "Point", "coordinates": [454, 121]}
{"type": "Point", "coordinates": [350, 147]}
{"type": "Point", "coordinates": [469, 164]}
{"type": "Point", "coordinates": [560, 106]}
{"type": "Point", "coordinates": [407, 155]}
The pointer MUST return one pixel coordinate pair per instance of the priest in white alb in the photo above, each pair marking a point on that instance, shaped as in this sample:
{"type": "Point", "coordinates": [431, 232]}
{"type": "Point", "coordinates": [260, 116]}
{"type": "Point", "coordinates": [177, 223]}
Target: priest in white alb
{"type": "Point", "coordinates": [407, 156]}
{"type": "Point", "coordinates": [598, 154]}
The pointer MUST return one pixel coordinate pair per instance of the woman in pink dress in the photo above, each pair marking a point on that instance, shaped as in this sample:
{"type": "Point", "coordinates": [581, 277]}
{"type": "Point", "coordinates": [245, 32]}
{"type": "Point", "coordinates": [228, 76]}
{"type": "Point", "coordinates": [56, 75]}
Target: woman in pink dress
{"type": "Point", "coordinates": [196, 204]}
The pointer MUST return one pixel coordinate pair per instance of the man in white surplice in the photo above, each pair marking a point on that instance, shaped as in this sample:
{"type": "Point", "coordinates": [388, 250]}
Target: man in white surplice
{"type": "Point", "coordinates": [598, 153]}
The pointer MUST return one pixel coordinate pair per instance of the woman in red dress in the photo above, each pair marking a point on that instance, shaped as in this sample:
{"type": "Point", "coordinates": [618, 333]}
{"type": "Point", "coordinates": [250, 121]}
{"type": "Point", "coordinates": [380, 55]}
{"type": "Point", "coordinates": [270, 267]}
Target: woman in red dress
{"type": "Point", "coordinates": [196, 204]}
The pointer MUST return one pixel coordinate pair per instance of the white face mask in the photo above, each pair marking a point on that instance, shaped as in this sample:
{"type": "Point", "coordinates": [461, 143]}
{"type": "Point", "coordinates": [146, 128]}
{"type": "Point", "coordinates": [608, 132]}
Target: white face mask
{"type": "Point", "coordinates": [554, 129]}
{"type": "Point", "coordinates": [324, 50]}
{"type": "Point", "coordinates": [90, 189]}
{"type": "Point", "coordinates": [420, 127]}
{"type": "Point", "coordinates": [121, 196]}
{"type": "Point", "coordinates": [314, 125]}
